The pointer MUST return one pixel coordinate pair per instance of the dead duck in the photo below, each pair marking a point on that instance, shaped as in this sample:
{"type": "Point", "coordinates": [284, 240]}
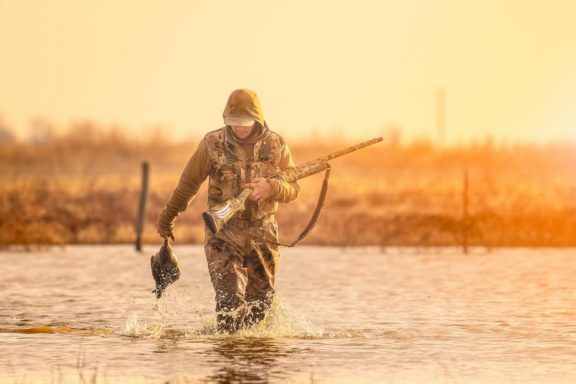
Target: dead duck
{"type": "Point", "coordinates": [165, 269]}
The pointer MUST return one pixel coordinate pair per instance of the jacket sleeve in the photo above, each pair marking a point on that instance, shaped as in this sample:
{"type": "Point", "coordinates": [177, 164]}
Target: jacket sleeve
{"type": "Point", "coordinates": [283, 191]}
{"type": "Point", "coordinates": [194, 174]}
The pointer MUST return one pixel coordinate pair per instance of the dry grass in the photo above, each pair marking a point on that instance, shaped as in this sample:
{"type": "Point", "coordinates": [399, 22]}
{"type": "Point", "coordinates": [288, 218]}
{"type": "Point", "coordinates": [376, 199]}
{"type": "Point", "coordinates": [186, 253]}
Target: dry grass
{"type": "Point", "coordinates": [83, 188]}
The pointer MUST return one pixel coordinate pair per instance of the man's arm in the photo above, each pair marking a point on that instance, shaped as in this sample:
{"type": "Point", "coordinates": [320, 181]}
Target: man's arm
{"type": "Point", "coordinates": [194, 174]}
{"type": "Point", "coordinates": [282, 191]}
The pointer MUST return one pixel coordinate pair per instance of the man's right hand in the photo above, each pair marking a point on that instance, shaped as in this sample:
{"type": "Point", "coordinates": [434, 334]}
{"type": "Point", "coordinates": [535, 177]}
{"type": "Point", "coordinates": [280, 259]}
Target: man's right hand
{"type": "Point", "coordinates": [164, 233]}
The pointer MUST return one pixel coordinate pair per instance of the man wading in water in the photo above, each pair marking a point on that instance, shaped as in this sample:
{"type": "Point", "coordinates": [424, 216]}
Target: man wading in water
{"type": "Point", "coordinates": [243, 153]}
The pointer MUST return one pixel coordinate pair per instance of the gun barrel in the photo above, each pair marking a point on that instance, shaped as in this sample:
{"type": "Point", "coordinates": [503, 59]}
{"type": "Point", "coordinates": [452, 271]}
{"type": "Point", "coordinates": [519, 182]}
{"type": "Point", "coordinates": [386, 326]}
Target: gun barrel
{"type": "Point", "coordinates": [346, 151]}
{"type": "Point", "coordinates": [320, 164]}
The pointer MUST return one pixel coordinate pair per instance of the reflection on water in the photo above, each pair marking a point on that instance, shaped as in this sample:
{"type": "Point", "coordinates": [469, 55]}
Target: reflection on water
{"type": "Point", "coordinates": [354, 315]}
{"type": "Point", "coordinates": [245, 361]}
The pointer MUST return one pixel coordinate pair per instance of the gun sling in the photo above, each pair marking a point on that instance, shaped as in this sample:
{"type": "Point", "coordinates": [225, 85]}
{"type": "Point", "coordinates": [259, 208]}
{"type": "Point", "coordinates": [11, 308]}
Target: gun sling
{"type": "Point", "coordinates": [311, 223]}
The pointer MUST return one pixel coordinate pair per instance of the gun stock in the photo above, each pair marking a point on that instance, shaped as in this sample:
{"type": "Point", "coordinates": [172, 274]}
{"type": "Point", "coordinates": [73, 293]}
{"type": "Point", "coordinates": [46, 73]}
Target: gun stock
{"type": "Point", "coordinates": [216, 217]}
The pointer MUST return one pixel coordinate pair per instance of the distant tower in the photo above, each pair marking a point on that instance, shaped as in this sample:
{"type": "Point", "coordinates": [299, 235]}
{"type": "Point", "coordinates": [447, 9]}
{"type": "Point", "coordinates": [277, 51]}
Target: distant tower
{"type": "Point", "coordinates": [440, 116]}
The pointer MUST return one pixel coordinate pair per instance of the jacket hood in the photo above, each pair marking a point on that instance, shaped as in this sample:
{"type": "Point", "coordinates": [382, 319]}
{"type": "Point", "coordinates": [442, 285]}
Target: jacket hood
{"type": "Point", "coordinates": [244, 103]}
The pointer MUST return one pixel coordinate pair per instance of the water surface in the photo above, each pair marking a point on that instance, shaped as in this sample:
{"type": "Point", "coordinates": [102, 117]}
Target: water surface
{"type": "Point", "coordinates": [365, 315]}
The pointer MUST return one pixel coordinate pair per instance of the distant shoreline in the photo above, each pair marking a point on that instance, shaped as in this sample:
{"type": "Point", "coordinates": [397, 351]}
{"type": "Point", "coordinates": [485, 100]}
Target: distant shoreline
{"type": "Point", "coordinates": [84, 189]}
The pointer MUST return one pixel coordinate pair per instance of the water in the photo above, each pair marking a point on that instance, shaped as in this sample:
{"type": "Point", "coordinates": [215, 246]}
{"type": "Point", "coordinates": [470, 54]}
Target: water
{"type": "Point", "coordinates": [87, 314]}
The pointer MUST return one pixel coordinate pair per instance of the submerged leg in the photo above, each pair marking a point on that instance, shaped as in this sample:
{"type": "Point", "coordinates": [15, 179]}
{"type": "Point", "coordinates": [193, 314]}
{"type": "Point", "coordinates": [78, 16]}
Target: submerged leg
{"type": "Point", "coordinates": [230, 312]}
{"type": "Point", "coordinates": [261, 265]}
{"type": "Point", "coordinates": [229, 278]}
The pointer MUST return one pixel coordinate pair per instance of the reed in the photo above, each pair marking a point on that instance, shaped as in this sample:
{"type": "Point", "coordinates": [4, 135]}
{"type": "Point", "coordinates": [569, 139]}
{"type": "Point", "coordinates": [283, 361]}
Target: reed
{"type": "Point", "coordinates": [84, 189]}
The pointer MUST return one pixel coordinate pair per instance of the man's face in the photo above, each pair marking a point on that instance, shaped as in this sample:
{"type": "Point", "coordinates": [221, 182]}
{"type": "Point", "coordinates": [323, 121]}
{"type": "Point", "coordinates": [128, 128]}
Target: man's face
{"type": "Point", "coordinates": [242, 132]}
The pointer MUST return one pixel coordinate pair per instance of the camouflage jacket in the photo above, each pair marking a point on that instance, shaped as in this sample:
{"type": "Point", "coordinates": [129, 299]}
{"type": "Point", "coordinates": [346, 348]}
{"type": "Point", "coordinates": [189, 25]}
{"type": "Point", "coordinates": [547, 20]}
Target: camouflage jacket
{"type": "Point", "coordinates": [224, 161]}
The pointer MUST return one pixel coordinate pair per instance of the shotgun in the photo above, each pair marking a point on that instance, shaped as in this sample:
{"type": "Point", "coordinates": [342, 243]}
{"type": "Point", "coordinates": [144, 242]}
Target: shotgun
{"type": "Point", "coordinates": [216, 217]}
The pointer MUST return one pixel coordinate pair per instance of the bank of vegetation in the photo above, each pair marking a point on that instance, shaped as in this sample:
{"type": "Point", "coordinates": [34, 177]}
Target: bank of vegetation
{"type": "Point", "coordinates": [83, 187]}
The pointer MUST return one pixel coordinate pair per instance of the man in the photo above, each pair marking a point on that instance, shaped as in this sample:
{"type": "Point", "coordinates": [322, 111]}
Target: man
{"type": "Point", "coordinates": [241, 264]}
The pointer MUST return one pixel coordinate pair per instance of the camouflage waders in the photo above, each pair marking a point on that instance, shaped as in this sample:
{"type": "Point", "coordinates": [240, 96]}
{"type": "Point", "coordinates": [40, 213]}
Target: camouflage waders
{"type": "Point", "coordinates": [242, 270]}
{"type": "Point", "coordinates": [242, 273]}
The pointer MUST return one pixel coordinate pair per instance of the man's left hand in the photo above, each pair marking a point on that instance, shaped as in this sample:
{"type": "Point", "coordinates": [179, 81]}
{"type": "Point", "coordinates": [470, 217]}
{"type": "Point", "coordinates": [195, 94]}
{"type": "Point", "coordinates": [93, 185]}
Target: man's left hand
{"type": "Point", "coordinates": [261, 189]}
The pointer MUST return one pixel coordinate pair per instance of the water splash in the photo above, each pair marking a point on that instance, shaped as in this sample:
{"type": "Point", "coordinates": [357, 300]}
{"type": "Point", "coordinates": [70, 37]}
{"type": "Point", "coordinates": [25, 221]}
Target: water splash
{"type": "Point", "coordinates": [136, 327]}
{"type": "Point", "coordinates": [280, 322]}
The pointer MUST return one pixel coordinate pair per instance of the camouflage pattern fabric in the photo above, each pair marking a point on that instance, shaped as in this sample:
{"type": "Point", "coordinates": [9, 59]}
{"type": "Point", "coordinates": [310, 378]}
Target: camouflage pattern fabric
{"type": "Point", "coordinates": [242, 273]}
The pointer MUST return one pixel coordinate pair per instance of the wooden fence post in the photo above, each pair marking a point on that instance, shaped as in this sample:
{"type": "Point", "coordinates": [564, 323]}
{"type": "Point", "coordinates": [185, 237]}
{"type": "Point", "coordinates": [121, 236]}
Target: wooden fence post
{"type": "Point", "coordinates": [465, 220]}
{"type": "Point", "coordinates": [142, 206]}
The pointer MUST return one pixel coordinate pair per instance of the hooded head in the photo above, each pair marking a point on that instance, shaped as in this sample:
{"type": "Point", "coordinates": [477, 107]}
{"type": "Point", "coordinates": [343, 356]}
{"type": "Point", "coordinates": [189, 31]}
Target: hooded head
{"type": "Point", "coordinates": [243, 108]}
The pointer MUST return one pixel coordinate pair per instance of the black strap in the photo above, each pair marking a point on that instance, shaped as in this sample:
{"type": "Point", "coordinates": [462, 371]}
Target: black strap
{"type": "Point", "coordinates": [311, 223]}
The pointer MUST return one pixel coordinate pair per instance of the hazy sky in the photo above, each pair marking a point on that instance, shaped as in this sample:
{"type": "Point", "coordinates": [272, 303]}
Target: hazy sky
{"type": "Point", "coordinates": [508, 67]}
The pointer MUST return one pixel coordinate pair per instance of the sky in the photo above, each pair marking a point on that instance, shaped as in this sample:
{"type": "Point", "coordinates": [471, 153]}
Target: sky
{"type": "Point", "coordinates": [322, 68]}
